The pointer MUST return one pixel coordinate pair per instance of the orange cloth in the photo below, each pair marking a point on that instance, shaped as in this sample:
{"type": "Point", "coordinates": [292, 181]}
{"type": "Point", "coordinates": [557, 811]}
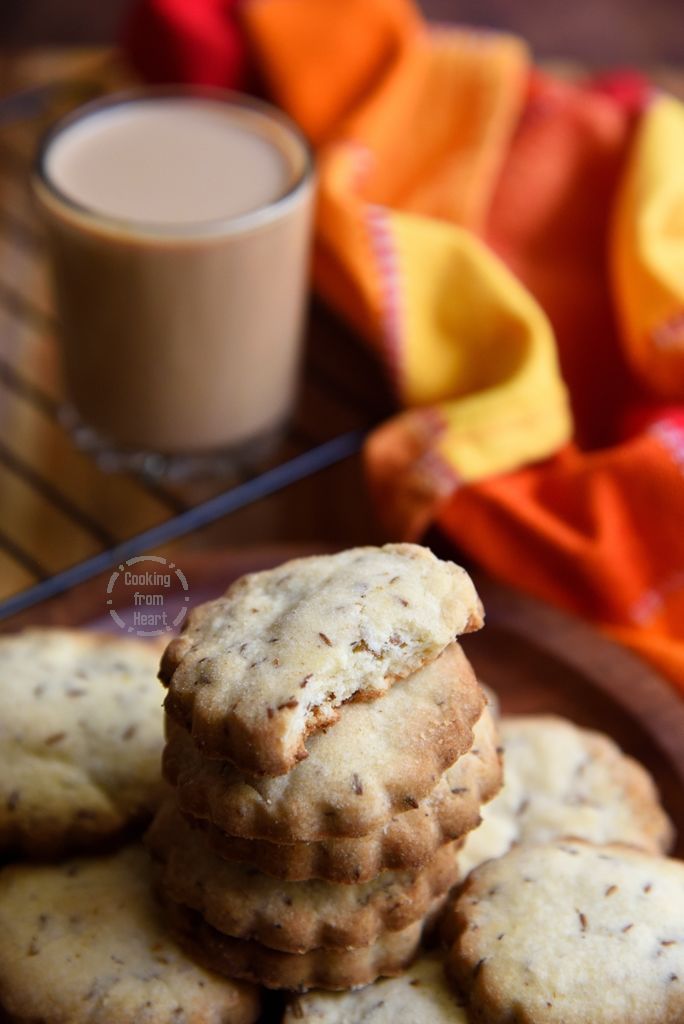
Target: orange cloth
{"type": "Point", "coordinates": [412, 129]}
{"type": "Point", "coordinates": [483, 225]}
{"type": "Point", "coordinates": [598, 533]}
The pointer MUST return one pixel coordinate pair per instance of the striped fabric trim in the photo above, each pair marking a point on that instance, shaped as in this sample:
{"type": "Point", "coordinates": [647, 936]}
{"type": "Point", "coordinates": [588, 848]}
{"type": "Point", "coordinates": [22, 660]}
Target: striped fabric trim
{"type": "Point", "coordinates": [669, 432]}
{"type": "Point", "coordinates": [392, 313]}
{"type": "Point", "coordinates": [669, 334]}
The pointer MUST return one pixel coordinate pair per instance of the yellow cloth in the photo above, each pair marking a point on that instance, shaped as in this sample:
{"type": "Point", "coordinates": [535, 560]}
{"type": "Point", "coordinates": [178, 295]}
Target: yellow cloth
{"type": "Point", "coordinates": [648, 249]}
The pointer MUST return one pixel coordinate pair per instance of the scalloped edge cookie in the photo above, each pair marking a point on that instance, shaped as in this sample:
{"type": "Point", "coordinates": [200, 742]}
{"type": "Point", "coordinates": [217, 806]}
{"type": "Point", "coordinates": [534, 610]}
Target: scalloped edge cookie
{"type": "Point", "coordinates": [81, 736]}
{"type": "Point", "coordinates": [320, 968]}
{"type": "Point", "coordinates": [382, 757]}
{"type": "Point", "coordinates": [568, 932]}
{"type": "Point", "coordinates": [258, 670]}
{"type": "Point", "coordinates": [408, 842]}
{"type": "Point", "coordinates": [419, 996]}
{"type": "Point", "coordinates": [293, 917]}
{"type": "Point", "coordinates": [562, 779]}
{"type": "Point", "coordinates": [86, 942]}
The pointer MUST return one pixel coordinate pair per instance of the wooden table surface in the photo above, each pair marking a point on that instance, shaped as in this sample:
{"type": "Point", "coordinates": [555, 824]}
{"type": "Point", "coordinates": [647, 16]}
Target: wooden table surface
{"type": "Point", "coordinates": [57, 506]}
{"type": "Point", "coordinates": [599, 33]}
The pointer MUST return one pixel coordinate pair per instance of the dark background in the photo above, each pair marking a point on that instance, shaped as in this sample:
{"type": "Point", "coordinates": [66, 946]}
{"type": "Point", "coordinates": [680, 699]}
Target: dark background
{"type": "Point", "coordinates": [606, 32]}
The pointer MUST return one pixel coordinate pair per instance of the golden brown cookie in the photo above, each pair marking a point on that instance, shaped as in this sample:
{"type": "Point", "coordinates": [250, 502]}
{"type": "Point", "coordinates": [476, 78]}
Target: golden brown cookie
{"type": "Point", "coordinates": [258, 670]}
{"type": "Point", "coordinates": [320, 968]}
{"type": "Point", "coordinates": [571, 933]}
{"type": "Point", "coordinates": [85, 942]}
{"type": "Point", "coordinates": [421, 995]}
{"type": "Point", "coordinates": [408, 842]}
{"type": "Point", "coordinates": [293, 917]}
{"type": "Point", "coordinates": [564, 780]}
{"type": "Point", "coordinates": [381, 757]}
{"type": "Point", "coordinates": [81, 733]}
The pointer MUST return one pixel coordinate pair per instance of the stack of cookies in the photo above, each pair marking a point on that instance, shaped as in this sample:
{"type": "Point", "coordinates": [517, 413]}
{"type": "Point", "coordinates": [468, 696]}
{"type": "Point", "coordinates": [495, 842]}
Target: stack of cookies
{"type": "Point", "coordinates": [329, 749]}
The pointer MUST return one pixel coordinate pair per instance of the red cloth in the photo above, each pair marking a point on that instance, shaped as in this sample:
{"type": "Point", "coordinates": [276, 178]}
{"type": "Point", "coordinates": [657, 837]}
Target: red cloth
{"type": "Point", "coordinates": [550, 220]}
{"type": "Point", "coordinates": [197, 41]}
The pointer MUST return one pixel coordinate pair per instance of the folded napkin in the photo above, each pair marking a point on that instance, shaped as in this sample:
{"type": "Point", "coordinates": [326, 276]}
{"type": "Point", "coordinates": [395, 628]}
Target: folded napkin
{"type": "Point", "coordinates": [511, 247]}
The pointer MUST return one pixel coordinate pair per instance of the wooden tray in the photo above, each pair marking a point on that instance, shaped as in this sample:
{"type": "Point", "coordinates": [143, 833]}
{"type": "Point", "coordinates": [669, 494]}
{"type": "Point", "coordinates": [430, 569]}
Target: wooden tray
{"type": "Point", "coordinates": [535, 657]}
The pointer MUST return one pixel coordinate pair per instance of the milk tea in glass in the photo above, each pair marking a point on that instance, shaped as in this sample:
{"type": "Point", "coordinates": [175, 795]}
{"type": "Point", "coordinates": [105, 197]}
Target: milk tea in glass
{"type": "Point", "coordinates": [178, 225]}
